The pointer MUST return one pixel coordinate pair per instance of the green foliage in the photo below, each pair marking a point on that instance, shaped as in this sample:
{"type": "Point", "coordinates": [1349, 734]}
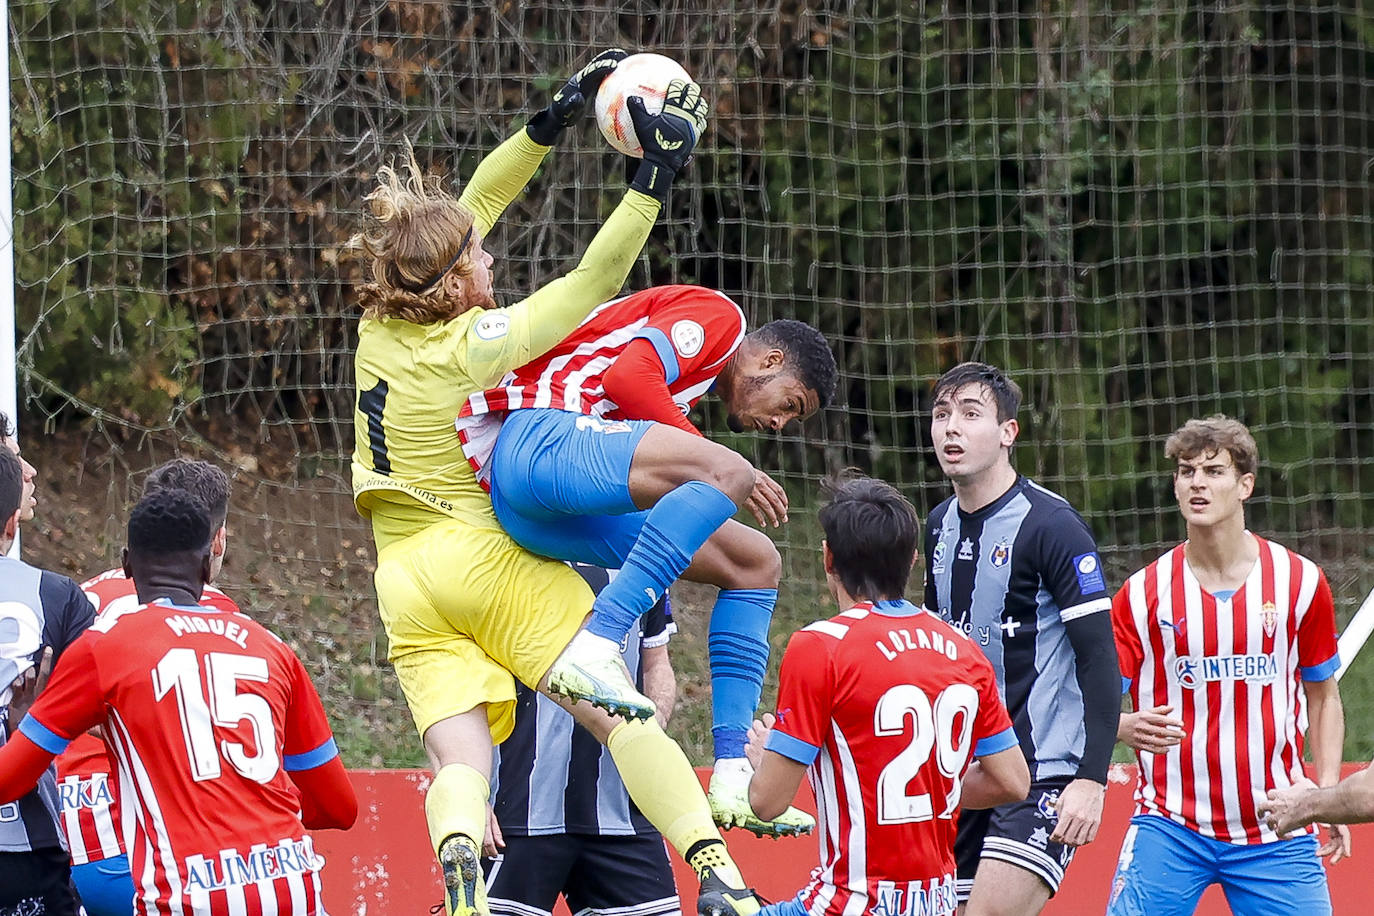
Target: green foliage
{"type": "Point", "coordinates": [129, 123]}
{"type": "Point", "coordinates": [1109, 205]}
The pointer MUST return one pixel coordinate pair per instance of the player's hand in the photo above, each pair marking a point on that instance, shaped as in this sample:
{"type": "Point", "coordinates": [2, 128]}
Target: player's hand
{"type": "Point", "coordinates": [1286, 810]}
{"type": "Point", "coordinates": [1336, 843]}
{"type": "Point", "coordinates": [1152, 730]}
{"type": "Point", "coordinates": [492, 840]}
{"type": "Point", "coordinates": [758, 739]}
{"type": "Point", "coordinates": [567, 103]}
{"type": "Point", "coordinates": [668, 137]}
{"type": "Point", "coordinates": [1080, 812]}
{"type": "Point", "coordinates": [26, 688]}
{"type": "Point", "coordinates": [768, 501]}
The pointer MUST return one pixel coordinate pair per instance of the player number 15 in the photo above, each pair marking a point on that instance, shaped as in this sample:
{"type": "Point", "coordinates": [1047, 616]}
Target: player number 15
{"type": "Point", "coordinates": [178, 672]}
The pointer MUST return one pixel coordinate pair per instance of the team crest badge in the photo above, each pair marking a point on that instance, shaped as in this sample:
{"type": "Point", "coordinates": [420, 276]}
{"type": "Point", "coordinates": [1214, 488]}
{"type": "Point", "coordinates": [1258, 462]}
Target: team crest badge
{"type": "Point", "coordinates": [1271, 618]}
{"type": "Point", "coordinates": [1045, 807]}
{"type": "Point", "coordinates": [1001, 554]}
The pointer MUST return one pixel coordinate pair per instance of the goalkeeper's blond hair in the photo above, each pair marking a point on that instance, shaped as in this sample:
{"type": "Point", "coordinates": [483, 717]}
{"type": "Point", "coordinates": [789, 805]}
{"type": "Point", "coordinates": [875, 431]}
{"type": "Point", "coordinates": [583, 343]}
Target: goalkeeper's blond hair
{"type": "Point", "coordinates": [415, 229]}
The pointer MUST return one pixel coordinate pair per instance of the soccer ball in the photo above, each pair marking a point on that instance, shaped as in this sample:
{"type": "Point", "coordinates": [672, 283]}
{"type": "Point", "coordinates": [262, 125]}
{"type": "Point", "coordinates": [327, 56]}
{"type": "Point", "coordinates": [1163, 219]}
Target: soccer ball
{"type": "Point", "coordinates": [644, 75]}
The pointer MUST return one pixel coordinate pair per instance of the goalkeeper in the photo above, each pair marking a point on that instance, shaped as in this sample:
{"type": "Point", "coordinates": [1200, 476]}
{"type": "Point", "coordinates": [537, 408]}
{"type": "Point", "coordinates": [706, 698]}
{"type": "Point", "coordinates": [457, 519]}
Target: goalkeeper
{"type": "Point", "coordinates": [464, 607]}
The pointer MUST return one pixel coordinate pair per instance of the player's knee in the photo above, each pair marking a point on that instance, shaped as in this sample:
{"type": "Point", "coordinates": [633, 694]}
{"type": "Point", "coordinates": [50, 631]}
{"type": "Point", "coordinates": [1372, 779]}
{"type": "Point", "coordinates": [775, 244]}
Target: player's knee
{"type": "Point", "coordinates": [731, 474]}
{"type": "Point", "coordinates": [754, 561]}
{"type": "Point", "coordinates": [769, 564]}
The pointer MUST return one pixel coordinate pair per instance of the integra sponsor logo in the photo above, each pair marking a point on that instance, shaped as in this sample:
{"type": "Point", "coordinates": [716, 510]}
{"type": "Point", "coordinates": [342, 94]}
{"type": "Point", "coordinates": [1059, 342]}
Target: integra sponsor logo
{"type": "Point", "coordinates": [1192, 671]}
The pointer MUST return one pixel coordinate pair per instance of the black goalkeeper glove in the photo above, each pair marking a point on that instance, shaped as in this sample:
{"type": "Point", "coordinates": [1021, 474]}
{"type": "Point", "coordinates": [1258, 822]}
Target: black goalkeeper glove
{"type": "Point", "coordinates": [547, 124]}
{"type": "Point", "coordinates": [668, 138]}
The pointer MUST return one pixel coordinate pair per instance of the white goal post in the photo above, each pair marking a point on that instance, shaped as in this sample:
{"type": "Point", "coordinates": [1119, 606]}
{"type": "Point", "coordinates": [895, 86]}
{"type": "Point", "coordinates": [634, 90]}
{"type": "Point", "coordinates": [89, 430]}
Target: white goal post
{"type": "Point", "coordinates": [9, 378]}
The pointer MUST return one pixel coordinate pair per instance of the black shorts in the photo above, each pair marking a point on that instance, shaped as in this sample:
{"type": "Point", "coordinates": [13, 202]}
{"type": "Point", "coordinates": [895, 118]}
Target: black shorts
{"type": "Point", "coordinates": [37, 883]}
{"type": "Point", "coordinates": [595, 875]}
{"type": "Point", "coordinates": [1018, 833]}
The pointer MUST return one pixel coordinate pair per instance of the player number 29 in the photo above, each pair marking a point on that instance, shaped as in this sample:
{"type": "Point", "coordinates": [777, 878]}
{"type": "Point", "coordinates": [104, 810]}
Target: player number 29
{"type": "Point", "coordinates": [945, 728]}
{"type": "Point", "coordinates": [224, 706]}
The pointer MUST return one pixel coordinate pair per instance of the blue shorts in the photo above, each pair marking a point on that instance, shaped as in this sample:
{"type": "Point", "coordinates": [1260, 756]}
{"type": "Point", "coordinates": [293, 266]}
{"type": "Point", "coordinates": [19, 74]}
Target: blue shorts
{"type": "Point", "coordinates": [1164, 868]}
{"type": "Point", "coordinates": [791, 907]}
{"type": "Point", "coordinates": [106, 887]}
{"type": "Point", "coordinates": [560, 484]}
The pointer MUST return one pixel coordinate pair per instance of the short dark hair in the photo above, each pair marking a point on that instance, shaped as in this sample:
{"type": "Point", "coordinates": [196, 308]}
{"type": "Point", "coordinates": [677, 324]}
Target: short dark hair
{"type": "Point", "coordinates": [201, 479]}
{"type": "Point", "coordinates": [6, 427]}
{"type": "Point", "coordinates": [871, 531]}
{"type": "Point", "coordinates": [11, 484]}
{"type": "Point", "coordinates": [808, 354]}
{"type": "Point", "coordinates": [169, 521]}
{"type": "Point", "coordinates": [1005, 392]}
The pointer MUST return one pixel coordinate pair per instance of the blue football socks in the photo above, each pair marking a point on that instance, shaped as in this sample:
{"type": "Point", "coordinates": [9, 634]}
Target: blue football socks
{"type": "Point", "coordinates": [673, 532]}
{"type": "Point", "coordinates": [738, 648]}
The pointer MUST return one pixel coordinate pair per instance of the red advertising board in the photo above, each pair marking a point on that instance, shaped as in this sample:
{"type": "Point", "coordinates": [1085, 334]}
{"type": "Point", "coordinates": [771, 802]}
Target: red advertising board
{"type": "Point", "coordinates": [384, 866]}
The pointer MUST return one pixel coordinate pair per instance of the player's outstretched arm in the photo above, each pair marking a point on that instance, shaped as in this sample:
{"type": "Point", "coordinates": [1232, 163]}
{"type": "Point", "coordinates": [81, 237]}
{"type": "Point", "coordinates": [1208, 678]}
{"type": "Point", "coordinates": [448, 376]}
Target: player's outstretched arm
{"type": "Point", "coordinates": [551, 313]}
{"type": "Point", "coordinates": [506, 170]}
{"type": "Point", "coordinates": [1326, 738]}
{"type": "Point", "coordinates": [996, 779]}
{"type": "Point", "coordinates": [327, 797]}
{"type": "Point", "coordinates": [1351, 801]}
{"type": "Point", "coordinates": [22, 762]}
{"type": "Point", "coordinates": [572, 97]}
{"type": "Point", "coordinates": [70, 704]}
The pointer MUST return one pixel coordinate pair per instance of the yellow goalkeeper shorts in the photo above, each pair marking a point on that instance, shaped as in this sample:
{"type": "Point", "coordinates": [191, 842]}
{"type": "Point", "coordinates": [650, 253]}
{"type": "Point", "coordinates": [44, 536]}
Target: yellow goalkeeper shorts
{"type": "Point", "coordinates": [465, 609]}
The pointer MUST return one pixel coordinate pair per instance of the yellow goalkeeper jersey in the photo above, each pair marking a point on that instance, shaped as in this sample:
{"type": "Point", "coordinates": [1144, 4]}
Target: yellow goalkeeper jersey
{"type": "Point", "coordinates": [408, 464]}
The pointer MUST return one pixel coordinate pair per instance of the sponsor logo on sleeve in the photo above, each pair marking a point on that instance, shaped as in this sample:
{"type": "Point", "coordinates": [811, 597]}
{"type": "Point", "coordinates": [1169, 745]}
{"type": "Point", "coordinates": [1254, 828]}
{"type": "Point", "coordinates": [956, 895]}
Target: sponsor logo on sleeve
{"type": "Point", "coordinates": [938, 566]}
{"type": "Point", "coordinates": [1088, 568]}
{"type": "Point", "coordinates": [688, 338]}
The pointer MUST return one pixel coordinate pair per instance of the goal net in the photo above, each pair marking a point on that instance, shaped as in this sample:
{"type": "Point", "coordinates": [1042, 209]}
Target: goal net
{"type": "Point", "coordinates": [1146, 211]}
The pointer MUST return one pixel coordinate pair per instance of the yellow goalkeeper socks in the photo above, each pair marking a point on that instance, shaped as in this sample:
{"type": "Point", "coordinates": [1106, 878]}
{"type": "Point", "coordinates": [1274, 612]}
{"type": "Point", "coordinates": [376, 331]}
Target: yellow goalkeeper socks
{"type": "Point", "coordinates": [712, 859]}
{"type": "Point", "coordinates": [456, 803]}
{"type": "Point", "coordinates": [665, 788]}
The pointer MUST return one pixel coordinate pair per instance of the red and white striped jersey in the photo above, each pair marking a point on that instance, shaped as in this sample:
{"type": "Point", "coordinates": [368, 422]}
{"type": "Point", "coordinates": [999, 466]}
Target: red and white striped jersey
{"type": "Point", "coordinates": [90, 813]}
{"type": "Point", "coordinates": [694, 330]}
{"type": "Point", "coordinates": [888, 705]}
{"type": "Point", "coordinates": [204, 713]}
{"type": "Point", "coordinates": [1230, 669]}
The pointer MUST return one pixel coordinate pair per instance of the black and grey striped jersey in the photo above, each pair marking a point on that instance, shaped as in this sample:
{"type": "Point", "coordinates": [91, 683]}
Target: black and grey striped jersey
{"type": "Point", "coordinates": [1018, 576]}
{"type": "Point", "coordinates": [551, 775]}
{"type": "Point", "coordinates": [36, 606]}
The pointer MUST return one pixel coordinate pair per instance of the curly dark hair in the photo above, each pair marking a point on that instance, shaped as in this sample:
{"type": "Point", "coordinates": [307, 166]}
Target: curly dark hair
{"type": "Point", "coordinates": [169, 521]}
{"type": "Point", "coordinates": [808, 354]}
{"type": "Point", "coordinates": [201, 479]}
